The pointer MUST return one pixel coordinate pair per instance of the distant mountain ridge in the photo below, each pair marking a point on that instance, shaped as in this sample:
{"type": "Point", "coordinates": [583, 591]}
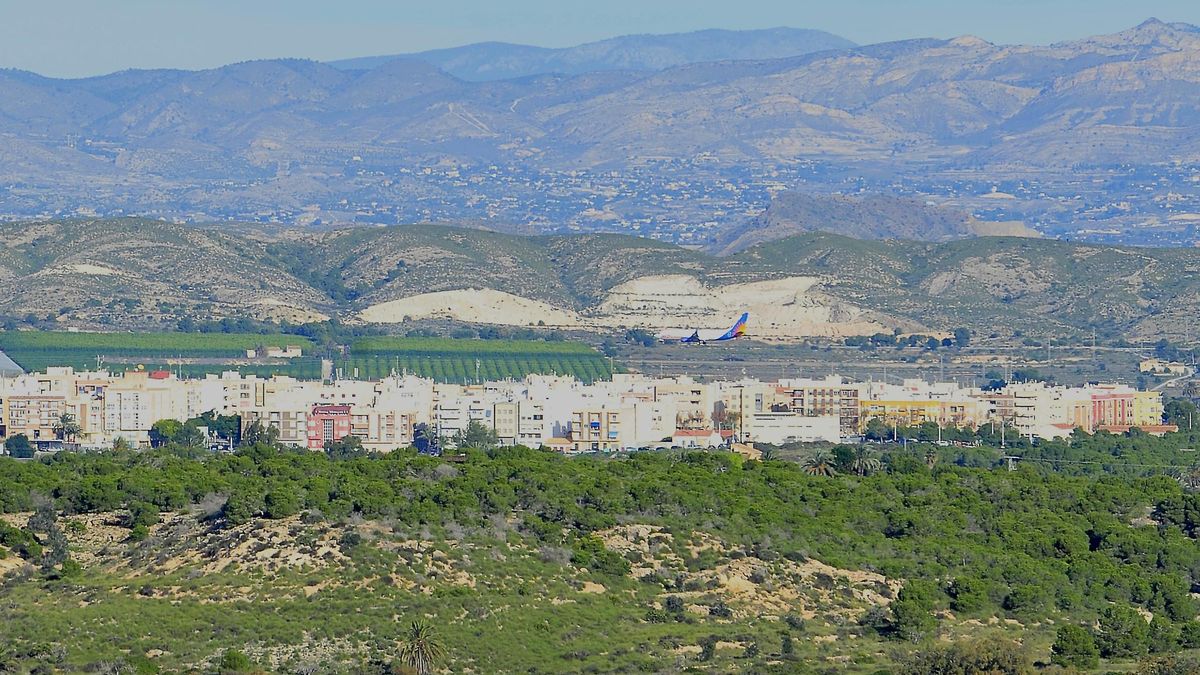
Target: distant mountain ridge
{"type": "Point", "coordinates": [859, 217]}
{"type": "Point", "coordinates": [489, 61]}
{"type": "Point", "coordinates": [687, 153]}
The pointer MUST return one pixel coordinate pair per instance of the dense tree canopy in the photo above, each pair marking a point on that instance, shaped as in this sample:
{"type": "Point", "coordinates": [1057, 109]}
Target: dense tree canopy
{"type": "Point", "coordinates": [1091, 528]}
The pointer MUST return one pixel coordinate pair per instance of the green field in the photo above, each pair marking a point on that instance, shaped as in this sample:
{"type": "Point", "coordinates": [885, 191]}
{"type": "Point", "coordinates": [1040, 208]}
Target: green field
{"type": "Point", "coordinates": [442, 359]}
{"type": "Point", "coordinates": [37, 350]}
{"type": "Point", "coordinates": [451, 360]}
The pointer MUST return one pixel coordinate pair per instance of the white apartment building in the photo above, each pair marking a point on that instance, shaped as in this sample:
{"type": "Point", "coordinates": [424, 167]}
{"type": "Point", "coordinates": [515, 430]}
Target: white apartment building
{"type": "Point", "coordinates": [631, 411]}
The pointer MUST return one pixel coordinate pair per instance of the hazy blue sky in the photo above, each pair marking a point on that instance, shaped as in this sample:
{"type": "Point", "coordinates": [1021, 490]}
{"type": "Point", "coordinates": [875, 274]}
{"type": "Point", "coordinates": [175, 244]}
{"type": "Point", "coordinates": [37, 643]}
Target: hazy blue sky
{"type": "Point", "coordinates": [85, 37]}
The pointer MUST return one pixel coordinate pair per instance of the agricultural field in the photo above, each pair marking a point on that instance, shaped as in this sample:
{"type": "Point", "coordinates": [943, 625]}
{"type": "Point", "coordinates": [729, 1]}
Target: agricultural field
{"type": "Point", "coordinates": [451, 360]}
{"type": "Point", "coordinates": [192, 354]}
{"type": "Point", "coordinates": [196, 354]}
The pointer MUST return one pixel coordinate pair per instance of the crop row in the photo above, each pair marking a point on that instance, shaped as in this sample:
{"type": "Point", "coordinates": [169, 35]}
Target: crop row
{"type": "Point", "coordinates": [587, 368]}
{"type": "Point", "coordinates": [163, 345]}
{"type": "Point", "coordinates": [451, 346]}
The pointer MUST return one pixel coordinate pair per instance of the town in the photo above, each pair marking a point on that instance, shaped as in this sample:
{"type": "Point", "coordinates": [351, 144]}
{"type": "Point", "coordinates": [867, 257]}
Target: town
{"type": "Point", "coordinates": [64, 408]}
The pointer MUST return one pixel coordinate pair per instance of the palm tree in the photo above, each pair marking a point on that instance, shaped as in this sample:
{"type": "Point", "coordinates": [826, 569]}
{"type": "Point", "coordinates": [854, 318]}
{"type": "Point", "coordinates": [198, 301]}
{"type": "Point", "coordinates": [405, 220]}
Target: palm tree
{"type": "Point", "coordinates": [120, 444]}
{"type": "Point", "coordinates": [66, 428]}
{"type": "Point", "coordinates": [420, 648]}
{"type": "Point", "coordinates": [931, 458]}
{"type": "Point", "coordinates": [819, 465]}
{"type": "Point", "coordinates": [768, 454]}
{"type": "Point", "coordinates": [864, 464]}
{"type": "Point", "coordinates": [1190, 479]}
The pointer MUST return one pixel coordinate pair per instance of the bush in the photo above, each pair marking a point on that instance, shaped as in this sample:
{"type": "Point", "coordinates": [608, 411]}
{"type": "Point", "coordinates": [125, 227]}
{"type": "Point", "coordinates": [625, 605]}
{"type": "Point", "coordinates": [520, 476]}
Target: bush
{"type": "Point", "coordinates": [243, 505]}
{"type": "Point", "coordinates": [968, 594]}
{"type": "Point", "coordinates": [1075, 646]}
{"type": "Point", "coordinates": [282, 501]}
{"type": "Point", "coordinates": [144, 514]}
{"type": "Point", "coordinates": [20, 541]}
{"type": "Point", "coordinates": [912, 612]}
{"type": "Point", "coordinates": [1164, 636]}
{"type": "Point", "coordinates": [1025, 598]}
{"type": "Point", "coordinates": [19, 446]}
{"type": "Point", "coordinates": [656, 615]}
{"type": "Point", "coordinates": [794, 622]}
{"type": "Point", "coordinates": [589, 552]}
{"type": "Point", "coordinates": [720, 610]}
{"type": "Point", "coordinates": [1169, 665]}
{"type": "Point", "coordinates": [233, 661]}
{"type": "Point", "coordinates": [993, 656]}
{"type": "Point", "coordinates": [1189, 636]}
{"type": "Point", "coordinates": [1123, 633]}
{"type": "Point", "coordinates": [349, 541]}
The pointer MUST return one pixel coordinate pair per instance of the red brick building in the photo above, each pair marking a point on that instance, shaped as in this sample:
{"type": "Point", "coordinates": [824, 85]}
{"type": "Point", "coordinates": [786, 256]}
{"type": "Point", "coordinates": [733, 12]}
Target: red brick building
{"type": "Point", "coordinates": [327, 423]}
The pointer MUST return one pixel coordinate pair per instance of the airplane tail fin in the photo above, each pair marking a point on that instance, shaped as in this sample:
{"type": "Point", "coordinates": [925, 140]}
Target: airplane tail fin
{"type": "Point", "coordinates": [739, 328]}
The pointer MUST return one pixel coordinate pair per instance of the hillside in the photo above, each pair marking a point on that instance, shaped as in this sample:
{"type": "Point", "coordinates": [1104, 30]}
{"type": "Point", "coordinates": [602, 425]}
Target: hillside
{"type": "Point", "coordinates": [1093, 138]}
{"type": "Point", "coordinates": [500, 61]}
{"type": "Point", "coordinates": [133, 273]}
{"type": "Point", "coordinates": [523, 560]}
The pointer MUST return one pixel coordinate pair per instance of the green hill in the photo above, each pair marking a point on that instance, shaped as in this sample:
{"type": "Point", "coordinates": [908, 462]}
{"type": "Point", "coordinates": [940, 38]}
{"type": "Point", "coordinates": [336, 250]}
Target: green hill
{"type": "Point", "coordinates": [130, 273]}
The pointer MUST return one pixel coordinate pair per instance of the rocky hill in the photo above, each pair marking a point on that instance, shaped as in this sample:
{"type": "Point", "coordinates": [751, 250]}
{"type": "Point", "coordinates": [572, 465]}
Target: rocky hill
{"type": "Point", "coordinates": [303, 568]}
{"type": "Point", "coordinates": [138, 273]}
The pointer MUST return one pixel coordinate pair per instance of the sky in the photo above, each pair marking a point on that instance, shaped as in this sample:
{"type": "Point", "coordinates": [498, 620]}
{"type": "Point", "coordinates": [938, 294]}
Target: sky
{"type": "Point", "coordinates": [75, 38]}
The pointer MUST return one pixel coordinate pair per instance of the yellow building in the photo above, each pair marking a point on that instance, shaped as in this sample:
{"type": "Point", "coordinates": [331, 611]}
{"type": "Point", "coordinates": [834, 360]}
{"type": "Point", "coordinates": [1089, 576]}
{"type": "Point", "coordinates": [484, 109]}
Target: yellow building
{"type": "Point", "coordinates": [904, 412]}
{"type": "Point", "coordinates": [596, 430]}
{"type": "Point", "coordinates": [1147, 409]}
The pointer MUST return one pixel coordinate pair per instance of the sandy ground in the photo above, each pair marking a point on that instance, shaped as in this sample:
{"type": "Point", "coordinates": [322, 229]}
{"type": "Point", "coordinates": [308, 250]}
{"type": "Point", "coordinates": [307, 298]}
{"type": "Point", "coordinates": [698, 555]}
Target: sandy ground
{"type": "Point", "coordinates": [81, 268]}
{"type": "Point", "coordinates": [779, 309]}
{"type": "Point", "coordinates": [474, 305]}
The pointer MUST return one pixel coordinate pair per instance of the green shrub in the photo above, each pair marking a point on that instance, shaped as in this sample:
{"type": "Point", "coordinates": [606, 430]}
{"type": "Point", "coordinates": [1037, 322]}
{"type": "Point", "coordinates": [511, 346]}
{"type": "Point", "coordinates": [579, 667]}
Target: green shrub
{"type": "Point", "coordinates": [144, 514]}
{"type": "Point", "coordinates": [1075, 646]}
{"type": "Point", "coordinates": [233, 661]}
{"type": "Point", "coordinates": [993, 656]}
{"type": "Point", "coordinates": [1164, 636]}
{"type": "Point", "coordinates": [912, 612]}
{"type": "Point", "coordinates": [590, 552]}
{"type": "Point", "coordinates": [1123, 633]}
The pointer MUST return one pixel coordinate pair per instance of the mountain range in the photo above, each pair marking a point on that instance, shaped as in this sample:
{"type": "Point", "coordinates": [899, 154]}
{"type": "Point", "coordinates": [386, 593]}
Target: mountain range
{"type": "Point", "coordinates": [1094, 138]}
{"type": "Point", "coordinates": [134, 273]}
{"type": "Point", "coordinates": [489, 61]}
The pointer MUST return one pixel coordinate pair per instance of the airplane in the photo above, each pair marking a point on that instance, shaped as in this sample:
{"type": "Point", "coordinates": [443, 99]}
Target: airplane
{"type": "Point", "coordinates": [703, 337]}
